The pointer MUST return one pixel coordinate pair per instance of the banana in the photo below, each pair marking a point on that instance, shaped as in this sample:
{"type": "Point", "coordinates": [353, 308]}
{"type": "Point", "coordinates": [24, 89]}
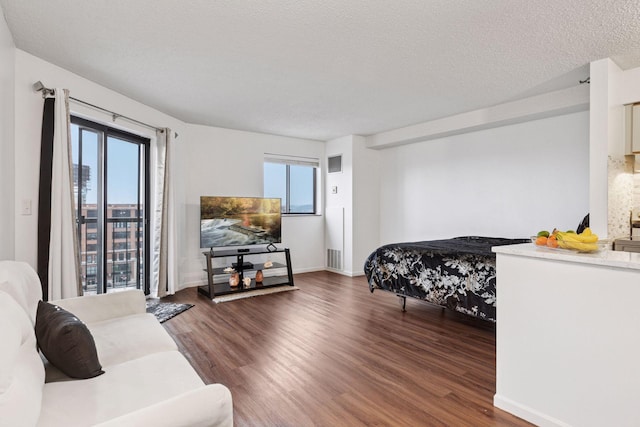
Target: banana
{"type": "Point", "coordinates": [588, 236]}
{"type": "Point", "coordinates": [581, 247]}
{"type": "Point", "coordinates": [578, 238]}
{"type": "Point", "coordinates": [583, 242]}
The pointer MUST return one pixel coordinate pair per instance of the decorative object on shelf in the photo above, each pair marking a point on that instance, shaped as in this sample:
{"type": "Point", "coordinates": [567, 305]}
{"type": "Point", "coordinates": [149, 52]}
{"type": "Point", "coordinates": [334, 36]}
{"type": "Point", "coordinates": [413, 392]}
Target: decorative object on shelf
{"type": "Point", "coordinates": [271, 247]}
{"type": "Point", "coordinates": [234, 280]}
{"type": "Point", "coordinates": [229, 270]}
{"type": "Point", "coordinates": [259, 276]}
{"type": "Point", "coordinates": [246, 281]}
{"type": "Point", "coordinates": [268, 264]}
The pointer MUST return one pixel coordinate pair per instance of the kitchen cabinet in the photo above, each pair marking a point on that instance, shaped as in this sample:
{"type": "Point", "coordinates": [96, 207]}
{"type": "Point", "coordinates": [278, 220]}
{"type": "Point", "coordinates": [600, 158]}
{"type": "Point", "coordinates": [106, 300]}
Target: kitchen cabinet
{"type": "Point", "coordinates": [632, 128]}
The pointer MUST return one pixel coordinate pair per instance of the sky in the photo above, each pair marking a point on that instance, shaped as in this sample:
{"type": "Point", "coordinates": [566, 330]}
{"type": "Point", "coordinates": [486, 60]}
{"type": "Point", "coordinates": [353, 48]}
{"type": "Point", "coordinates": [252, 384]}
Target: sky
{"type": "Point", "coordinates": [122, 169]}
{"type": "Point", "coordinates": [301, 178]}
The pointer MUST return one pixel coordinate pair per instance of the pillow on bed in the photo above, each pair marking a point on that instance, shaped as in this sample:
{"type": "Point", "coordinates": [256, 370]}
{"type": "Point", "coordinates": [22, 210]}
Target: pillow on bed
{"type": "Point", "coordinates": [66, 342]}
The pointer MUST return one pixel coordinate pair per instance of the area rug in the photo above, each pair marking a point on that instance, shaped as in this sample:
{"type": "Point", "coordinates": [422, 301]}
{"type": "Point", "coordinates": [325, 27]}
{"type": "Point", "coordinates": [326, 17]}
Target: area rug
{"type": "Point", "coordinates": [166, 310]}
{"type": "Point", "coordinates": [256, 292]}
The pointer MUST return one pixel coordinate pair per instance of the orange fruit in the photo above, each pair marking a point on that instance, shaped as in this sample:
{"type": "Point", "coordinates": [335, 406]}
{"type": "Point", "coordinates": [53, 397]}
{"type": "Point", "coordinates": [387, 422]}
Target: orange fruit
{"type": "Point", "coordinates": [552, 242]}
{"type": "Point", "coordinates": [541, 241]}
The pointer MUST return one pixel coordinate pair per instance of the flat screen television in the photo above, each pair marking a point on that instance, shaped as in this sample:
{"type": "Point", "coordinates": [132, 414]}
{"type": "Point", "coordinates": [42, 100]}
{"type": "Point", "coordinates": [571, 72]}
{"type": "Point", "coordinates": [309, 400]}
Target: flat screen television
{"type": "Point", "coordinates": [239, 221]}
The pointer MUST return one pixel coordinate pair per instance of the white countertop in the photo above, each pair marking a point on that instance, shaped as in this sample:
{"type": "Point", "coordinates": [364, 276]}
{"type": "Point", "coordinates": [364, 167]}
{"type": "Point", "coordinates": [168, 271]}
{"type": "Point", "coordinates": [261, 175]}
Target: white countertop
{"type": "Point", "coordinates": [619, 259]}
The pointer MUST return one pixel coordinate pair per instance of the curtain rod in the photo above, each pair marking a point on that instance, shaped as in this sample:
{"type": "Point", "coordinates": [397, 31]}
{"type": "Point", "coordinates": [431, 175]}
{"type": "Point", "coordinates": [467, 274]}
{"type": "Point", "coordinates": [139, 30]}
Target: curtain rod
{"type": "Point", "coordinates": [38, 86]}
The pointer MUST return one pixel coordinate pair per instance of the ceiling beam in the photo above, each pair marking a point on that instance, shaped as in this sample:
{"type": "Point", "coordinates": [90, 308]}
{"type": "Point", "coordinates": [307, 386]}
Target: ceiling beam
{"type": "Point", "coordinates": [550, 104]}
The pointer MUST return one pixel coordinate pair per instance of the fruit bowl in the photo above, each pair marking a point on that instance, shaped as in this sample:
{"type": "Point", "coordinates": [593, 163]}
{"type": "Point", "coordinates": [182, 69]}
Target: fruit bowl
{"type": "Point", "coordinates": [597, 246]}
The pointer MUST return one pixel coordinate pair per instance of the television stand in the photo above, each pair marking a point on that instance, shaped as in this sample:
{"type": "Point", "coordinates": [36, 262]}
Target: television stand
{"type": "Point", "coordinates": [277, 272]}
{"type": "Point", "coordinates": [246, 265]}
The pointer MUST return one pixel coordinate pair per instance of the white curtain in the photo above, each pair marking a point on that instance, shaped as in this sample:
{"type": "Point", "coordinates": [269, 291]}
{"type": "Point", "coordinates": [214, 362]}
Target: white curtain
{"type": "Point", "coordinates": [64, 271]}
{"type": "Point", "coordinates": [164, 272]}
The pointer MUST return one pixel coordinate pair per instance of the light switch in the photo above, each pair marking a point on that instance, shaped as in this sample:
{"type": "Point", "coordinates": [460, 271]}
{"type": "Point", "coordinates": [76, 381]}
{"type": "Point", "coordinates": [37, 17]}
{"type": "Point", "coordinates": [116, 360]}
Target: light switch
{"type": "Point", "coordinates": [26, 207]}
{"type": "Point", "coordinates": [334, 189]}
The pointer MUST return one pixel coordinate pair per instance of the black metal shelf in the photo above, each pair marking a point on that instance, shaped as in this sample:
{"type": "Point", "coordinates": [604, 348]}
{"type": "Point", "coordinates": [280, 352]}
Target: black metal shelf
{"type": "Point", "coordinates": [219, 271]}
{"type": "Point", "coordinates": [212, 289]}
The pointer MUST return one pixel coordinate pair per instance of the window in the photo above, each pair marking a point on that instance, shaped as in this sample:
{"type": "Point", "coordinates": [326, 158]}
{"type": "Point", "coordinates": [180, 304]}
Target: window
{"type": "Point", "coordinates": [111, 183]}
{"type": "Point", "coordinates": [293, 180]}
{"type": "Point", "coordinates": [120, 234]}
{"type": "Point", "coordinates": [120, 246]}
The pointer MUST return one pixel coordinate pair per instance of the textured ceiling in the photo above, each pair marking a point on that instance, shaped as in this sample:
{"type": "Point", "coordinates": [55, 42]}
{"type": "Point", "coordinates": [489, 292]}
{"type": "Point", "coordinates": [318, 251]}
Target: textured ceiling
{"type": "Point", "coordinates": [324, 69]}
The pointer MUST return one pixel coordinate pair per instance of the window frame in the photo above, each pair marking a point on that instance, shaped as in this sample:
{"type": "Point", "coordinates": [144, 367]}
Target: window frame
{"type": "Point", "coordinates": [288, 162]}
{"type": "Point", "coordinates": [143, 144]}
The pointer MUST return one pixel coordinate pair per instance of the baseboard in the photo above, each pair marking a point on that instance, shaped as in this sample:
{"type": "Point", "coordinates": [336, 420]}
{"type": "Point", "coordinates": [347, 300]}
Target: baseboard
{"type": "Point", "coordinates": [193, 283]}
{"type": "Point", "coordinates": [307, 270]}
{"type": "Point", "coordinates": [345, 273]}
{"type": "Point", "coordinates": [526, 413]}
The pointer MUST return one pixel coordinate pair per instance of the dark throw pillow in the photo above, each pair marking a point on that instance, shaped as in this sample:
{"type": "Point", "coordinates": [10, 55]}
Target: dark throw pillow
{"type": "Point", "coordinates": [66, 342]}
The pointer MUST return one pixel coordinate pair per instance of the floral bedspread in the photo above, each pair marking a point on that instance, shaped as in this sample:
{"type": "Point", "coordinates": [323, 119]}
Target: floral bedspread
{"type": "Point", "coordinates": [458, 273]}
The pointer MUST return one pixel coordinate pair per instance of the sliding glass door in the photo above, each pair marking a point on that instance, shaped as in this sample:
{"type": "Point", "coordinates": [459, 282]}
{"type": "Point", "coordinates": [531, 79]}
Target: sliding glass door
{"type": "Point", "coordinates": [111, 183]}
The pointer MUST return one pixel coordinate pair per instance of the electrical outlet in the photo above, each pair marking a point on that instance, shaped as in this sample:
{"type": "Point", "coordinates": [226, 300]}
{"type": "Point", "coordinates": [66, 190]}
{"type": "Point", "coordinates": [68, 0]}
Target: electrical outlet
{"type": "Point", "coordinates": [334, 189]}
{"type": "Point", "coordinates": [26, 207]}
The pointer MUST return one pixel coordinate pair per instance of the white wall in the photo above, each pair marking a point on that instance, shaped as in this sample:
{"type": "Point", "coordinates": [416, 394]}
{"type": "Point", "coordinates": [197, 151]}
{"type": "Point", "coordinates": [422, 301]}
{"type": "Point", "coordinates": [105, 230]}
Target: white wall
{"type": "Point", "coordinates": [28, 120]}
{"type": "Point", "coordinates": [7, 206]}
{"type": "Point", "coordinates": [225, 162]}
{"type": "Point", "coordinates": [366, 202]}
{"type": "Point", "coordinates": [606, 160]}
{"type": "Point", "coordinates": [509, 181]}
{"type": "Point", "coordinates": [343, 198]}
{"type": "Point", "coordinates": [359, 196]}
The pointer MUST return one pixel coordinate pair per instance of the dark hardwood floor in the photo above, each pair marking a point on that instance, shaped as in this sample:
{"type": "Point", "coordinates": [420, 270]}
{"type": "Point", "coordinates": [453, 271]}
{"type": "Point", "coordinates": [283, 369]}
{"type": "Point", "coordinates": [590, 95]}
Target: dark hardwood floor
{"type": "Point", "coordinates": [333, 354]}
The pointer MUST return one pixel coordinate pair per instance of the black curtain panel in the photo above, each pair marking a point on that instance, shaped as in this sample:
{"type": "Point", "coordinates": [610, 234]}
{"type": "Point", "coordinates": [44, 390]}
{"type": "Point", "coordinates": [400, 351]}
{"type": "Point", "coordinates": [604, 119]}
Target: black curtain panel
{"type": "Point", "coordinates": [44, 197]}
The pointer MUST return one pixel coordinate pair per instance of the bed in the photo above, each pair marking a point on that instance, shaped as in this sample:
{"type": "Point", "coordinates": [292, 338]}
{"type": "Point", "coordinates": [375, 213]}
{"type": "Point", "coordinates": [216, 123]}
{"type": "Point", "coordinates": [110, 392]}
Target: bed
{"type": "Point", "coordinates": [458, 273]}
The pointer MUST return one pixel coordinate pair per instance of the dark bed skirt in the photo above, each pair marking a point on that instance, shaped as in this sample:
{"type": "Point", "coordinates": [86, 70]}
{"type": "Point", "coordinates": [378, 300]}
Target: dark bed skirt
{"type": "Point", "coordinates": [458, 273]}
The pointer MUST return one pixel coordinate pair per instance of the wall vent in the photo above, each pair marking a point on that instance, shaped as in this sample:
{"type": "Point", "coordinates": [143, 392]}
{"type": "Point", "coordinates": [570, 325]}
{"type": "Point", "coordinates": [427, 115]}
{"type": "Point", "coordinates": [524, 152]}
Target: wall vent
{"type": "Point", "coordinates": [334, 164]}
{"type": "Point", "coordinates": [334, 259]}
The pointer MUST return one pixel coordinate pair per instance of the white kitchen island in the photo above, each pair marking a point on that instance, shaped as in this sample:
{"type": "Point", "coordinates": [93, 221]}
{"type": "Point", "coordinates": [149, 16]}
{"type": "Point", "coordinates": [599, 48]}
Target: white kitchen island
{"type": "Point", "coordinates": [568, 336]}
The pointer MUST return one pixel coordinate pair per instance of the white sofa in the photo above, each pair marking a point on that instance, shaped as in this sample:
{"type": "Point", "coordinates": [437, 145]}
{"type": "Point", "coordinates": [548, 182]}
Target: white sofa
{"type": "Point", "coordinates": [147, 381]}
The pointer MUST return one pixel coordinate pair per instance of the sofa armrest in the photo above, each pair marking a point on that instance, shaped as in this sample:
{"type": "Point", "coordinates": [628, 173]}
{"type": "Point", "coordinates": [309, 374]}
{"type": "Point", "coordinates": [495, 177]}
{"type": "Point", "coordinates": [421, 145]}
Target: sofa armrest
{"type": "Point", "coordinates": [95, 308]}
{"type": "Point", "coordinates": [207, 406]}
